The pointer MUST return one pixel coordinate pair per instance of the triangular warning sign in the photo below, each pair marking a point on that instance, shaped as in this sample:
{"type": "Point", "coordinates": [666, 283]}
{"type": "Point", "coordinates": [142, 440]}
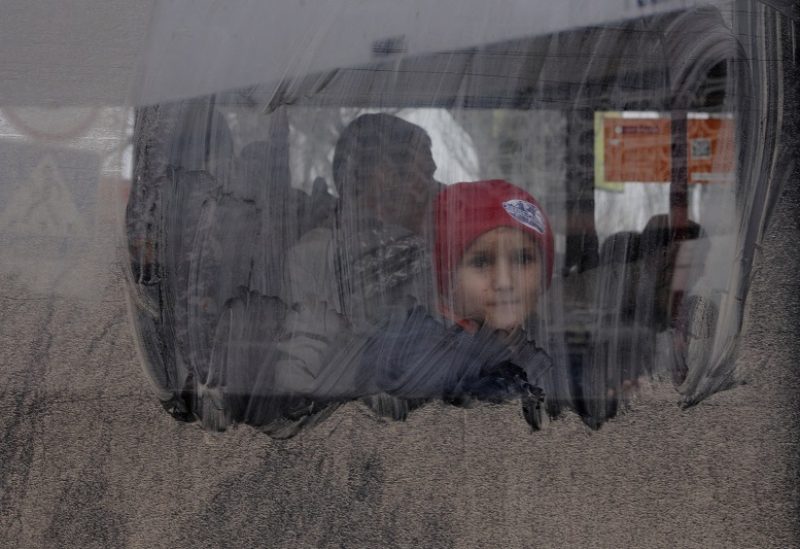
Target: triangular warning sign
{"type": "Point", "coordinates": [43, 206]}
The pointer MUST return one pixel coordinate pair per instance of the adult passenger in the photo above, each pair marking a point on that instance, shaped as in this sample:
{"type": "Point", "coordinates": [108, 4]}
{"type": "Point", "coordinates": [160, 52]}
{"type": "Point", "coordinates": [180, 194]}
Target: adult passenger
{"type": "Point", "coordinates": [343, 281]}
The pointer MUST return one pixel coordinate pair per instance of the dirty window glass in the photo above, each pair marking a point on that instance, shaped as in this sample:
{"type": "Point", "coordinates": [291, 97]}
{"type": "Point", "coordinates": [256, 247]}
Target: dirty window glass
{"type": "Point", "coordinates": [549, 220]}
{"type": "Point", "coordinates": [552, 217]}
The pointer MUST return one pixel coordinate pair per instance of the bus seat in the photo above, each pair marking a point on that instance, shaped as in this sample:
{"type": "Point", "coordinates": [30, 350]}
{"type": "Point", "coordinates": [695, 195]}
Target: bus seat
{"type": "Point", "coordinates": [659, 245]}
{"type": "Point", "coordinates": [618, 273]}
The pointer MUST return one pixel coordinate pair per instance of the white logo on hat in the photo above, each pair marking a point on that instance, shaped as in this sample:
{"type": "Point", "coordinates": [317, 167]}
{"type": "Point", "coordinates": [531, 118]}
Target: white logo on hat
{"type": "Point", "coordinates": [526, 213]}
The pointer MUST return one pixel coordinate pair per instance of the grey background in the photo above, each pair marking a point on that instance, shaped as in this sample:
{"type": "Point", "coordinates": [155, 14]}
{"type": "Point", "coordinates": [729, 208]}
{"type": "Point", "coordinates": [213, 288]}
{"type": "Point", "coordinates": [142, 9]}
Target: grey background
{"type": "Point", "coordinates": [89, 459]}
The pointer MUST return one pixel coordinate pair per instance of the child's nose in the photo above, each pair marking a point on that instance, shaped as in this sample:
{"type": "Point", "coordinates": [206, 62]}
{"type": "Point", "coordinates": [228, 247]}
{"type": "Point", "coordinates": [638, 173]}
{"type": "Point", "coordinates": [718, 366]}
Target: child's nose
{"type": "Point", "coordinates": [502, 275]}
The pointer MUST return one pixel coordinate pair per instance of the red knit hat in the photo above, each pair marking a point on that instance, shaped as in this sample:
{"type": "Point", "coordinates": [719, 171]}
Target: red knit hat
{"type": "Point", "coordinates": [464, 211]}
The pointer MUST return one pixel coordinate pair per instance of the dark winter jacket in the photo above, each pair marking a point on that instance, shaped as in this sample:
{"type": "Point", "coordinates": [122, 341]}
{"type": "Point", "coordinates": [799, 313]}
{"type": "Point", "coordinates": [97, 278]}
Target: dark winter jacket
{"type": "Point", "coordinates": [416, 356]}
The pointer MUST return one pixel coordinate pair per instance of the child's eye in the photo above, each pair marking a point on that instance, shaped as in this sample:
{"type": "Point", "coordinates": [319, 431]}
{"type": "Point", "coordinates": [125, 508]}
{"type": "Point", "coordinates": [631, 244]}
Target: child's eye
{"type": "Point", "coordinates": [526, 257]}
{"type": "Point", "coordinates": [479, 261]}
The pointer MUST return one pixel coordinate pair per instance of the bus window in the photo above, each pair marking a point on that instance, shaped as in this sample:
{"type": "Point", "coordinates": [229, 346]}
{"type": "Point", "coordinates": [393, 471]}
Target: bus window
{"type": "Point", "coordinates": [549, 219]}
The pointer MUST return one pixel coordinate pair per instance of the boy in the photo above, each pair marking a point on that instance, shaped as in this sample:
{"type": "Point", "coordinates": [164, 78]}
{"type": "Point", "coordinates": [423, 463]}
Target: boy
{"type": "Point", "coordinates": [493, 255]}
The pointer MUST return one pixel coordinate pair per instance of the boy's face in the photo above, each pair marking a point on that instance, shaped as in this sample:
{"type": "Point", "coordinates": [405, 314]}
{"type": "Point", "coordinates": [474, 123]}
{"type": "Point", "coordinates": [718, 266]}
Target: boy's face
{"type": "Point", "coordinates": [497, 281]}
